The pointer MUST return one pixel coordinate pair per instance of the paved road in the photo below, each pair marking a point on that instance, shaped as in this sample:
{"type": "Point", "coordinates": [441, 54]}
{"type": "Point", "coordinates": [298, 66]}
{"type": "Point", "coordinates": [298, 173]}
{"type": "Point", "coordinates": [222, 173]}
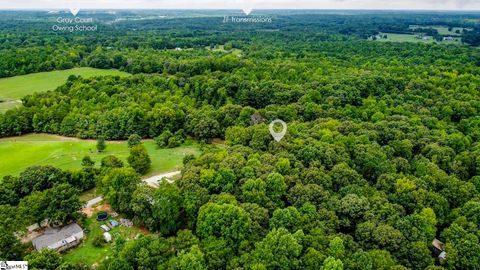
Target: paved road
{"type": "Point", "coordinates": [151, 181]}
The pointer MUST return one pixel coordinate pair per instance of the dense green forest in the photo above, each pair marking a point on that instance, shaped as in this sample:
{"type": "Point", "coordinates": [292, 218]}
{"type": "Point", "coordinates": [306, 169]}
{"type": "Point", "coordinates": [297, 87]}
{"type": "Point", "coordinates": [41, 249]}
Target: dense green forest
{"type": "Point", "coordinates": [382, 154]}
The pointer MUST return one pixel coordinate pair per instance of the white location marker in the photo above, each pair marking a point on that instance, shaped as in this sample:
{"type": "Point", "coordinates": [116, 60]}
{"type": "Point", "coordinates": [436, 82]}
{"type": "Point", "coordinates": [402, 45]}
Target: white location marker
{"type": "Point", "coordinates": [278, 136]}
{"type": "Point", "coordinates": [74, 11]}
{"type": "Point", "coordinates": [247, 11]}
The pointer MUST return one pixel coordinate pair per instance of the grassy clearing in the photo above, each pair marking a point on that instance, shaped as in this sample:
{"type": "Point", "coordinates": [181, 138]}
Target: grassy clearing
{"type": "Point", "coordinates": [442, 30]}
{"type": "Point", "coordinates": [6, 105]}
{"type": "Point", "coordinates": [221, 48]}
{"type": "Point", "coordinates": [88, 253]}
{"type": "Point", "coordinates": [415, 38]}
{"type": "Point", "coordinates": [90, 194]}
{"type": "Point", "coordinates": [404, 38]}
{"type": "Point", "coordinates": [14, 88]}
{"type": "Point", "coordinates": [472, 20]}
{"type": "Point", "coordinates": [18, 153]}
{"type": "Point", "coordinates": [456, 40]}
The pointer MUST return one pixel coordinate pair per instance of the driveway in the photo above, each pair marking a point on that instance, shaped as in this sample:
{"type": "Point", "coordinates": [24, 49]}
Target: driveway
{"type": "Point", "coordinates": [155, 180]}
{"type": "Point", "coordinates": [151, 181]}
{"type": "Point", "coordinates": [93, 201]}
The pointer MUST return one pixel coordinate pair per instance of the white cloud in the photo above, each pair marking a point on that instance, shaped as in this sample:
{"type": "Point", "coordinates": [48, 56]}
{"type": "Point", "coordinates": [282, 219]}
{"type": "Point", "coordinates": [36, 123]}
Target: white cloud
{"type": "Point", "coordinates": [238, 4]}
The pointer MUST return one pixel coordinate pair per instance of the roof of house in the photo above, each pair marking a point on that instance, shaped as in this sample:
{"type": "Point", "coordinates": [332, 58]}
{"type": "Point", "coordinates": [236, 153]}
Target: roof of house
{"type": "Point", "coordinates": [442, 256]}
{"type": "Point", "coordinates": [438, 244]}
{"type": "Point", "coordinates": [52, 236]}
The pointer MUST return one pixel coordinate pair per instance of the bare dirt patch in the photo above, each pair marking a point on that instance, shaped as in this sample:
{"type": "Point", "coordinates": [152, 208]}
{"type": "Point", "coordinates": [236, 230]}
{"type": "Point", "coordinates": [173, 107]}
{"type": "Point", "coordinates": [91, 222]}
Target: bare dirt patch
{"type": "Point", "coordinates": [89, 211]}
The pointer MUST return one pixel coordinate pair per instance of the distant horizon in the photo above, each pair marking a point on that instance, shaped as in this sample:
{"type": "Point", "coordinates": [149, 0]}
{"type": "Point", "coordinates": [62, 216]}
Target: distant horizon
{"type": "Point", "coordinates": [373, 5]}
{"type": "Point", "coordinates": [237, 9]}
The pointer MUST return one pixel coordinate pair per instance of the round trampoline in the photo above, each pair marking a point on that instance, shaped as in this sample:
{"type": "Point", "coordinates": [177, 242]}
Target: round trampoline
{"type": "Point", "coordinates": [102, 216]}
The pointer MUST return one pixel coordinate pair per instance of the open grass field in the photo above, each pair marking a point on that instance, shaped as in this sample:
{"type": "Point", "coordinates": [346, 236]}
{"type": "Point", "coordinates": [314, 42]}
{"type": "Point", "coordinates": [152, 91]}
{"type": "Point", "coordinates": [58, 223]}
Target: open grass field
{"type": "Point", "coordinates": [18, 153]}
{"type": "Point", "coordinates": [442, 30]}
{"type": "Point", "coordinates": [404, 38]}
{"type": "Point", "coordinates": [413, 38]}
{"type": "Point", "coordinates": [221, 48]}
{"type": "Point", "coordinates": [14, 88]}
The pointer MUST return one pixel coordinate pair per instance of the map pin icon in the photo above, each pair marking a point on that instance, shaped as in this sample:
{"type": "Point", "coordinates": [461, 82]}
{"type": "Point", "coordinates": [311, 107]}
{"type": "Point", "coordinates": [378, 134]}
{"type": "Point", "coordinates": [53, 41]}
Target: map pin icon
{"type": "Point", "coordinates": [247, 10]}
{"type": "Point", "coordinates": [278, 136]}
{"type": "Point", "coordinates": [74, 7]}
{"type": "Point", "coordinates": [74, 11]}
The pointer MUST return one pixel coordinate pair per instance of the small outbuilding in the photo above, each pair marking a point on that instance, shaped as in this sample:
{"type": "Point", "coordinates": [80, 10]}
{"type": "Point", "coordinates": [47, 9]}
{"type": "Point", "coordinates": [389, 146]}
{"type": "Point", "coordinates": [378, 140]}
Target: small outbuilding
{"type": "Point", "coordinates": [107, 236]}
{"type": "Point", "coordinates": [105, 228]}
{"type": "Point", "coordinates": [256, 118]}
{"type": "Point", "coordinates": [443, 256]}
{"type": "Point", "coordinates": [113, 223]}
{"type": "Point", "coordinates": [439, 250]}
{"type": "Point", "coordinates": [36, 226]}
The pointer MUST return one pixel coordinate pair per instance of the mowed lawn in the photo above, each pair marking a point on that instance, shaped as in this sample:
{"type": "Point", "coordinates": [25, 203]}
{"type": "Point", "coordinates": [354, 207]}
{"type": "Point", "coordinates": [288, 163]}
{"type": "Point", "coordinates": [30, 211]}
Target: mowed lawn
{"type": "Point", "coordinates": [18, 153]}
{"type": "Point", "coordinates": [443, 30]}
{"type": "Point", "coordinates": [404, 38]}
{"type": "Point", "coordinates": [13, 89]}
{"type": "Point", "coordinates": [413, 38]}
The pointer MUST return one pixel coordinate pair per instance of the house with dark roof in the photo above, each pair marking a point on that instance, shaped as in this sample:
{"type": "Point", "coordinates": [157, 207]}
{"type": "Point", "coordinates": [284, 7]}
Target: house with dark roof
{"type": "Point", "coordinates": [59, 239]}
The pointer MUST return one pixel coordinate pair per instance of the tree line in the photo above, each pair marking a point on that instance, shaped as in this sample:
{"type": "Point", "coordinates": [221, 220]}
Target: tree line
{"type": "Point", "coordinates": [381, 157]}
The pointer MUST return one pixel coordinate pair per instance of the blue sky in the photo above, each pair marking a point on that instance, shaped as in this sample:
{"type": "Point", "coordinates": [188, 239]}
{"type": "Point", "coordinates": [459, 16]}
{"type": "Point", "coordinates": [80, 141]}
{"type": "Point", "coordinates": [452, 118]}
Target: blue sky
{"type": "Point", "coordinates": [238, 4]}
